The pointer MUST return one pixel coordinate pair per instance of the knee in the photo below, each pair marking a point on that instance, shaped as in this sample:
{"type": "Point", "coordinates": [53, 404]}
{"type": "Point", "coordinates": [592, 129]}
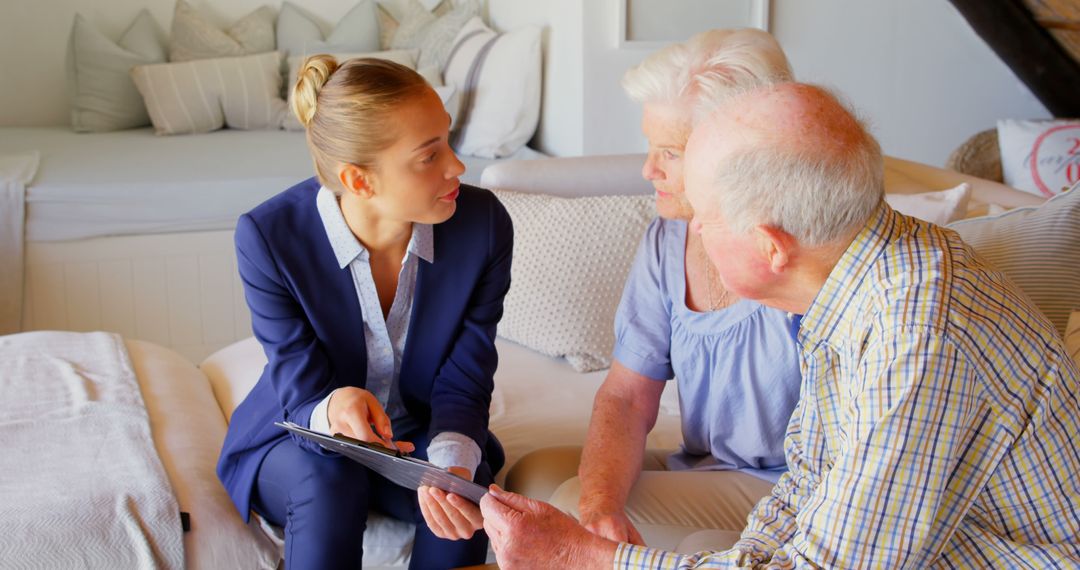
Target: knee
{"type": "Point", "coordinates": [539, 473]}
{"type": "Point", "coordinates": [566, 496]}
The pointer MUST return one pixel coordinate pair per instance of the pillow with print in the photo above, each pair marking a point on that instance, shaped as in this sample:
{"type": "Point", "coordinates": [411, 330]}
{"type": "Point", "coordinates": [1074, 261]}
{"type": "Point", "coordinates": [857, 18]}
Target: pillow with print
{"type": "Point", "coordinates": [1041, 157]}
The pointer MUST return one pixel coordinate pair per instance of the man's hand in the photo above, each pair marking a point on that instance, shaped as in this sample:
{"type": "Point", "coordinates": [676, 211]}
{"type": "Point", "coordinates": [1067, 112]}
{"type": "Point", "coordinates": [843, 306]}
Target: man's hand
{"type": "Point", "coordinates": [448, 515]}
{"type": "Point", "coordinates": [526, 533]}
{"type": "Point", "coordinates": [612, 526]}
{"type": "Point", "coordinates": [353, 411]}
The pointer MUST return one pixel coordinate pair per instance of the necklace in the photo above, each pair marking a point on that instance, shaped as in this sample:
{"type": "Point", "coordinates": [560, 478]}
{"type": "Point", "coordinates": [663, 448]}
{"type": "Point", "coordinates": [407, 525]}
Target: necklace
{"type": "Point", "coordinates": [719, 297]}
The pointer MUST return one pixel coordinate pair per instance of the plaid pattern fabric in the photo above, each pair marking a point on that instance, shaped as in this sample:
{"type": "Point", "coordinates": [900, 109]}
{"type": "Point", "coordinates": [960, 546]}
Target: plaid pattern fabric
{"type": "Point", "coordinates": [936, 428]}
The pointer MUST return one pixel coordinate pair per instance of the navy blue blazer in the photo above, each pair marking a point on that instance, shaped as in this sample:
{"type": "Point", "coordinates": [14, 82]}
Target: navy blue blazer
{"type": "Point", "coordinates": [306, 314]}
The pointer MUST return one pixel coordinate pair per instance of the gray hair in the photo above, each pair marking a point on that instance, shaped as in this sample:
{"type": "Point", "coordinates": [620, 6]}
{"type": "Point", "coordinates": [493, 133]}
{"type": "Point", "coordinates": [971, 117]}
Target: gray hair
{"type": "Point", "coordinates": [710, 62]}
{"type": "Point", "coordinates": [815, 192]}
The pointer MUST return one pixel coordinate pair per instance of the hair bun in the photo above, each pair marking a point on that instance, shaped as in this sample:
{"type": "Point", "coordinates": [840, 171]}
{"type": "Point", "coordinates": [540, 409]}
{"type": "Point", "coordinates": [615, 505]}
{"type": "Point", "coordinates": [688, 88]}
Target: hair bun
{"type": "Point", "coordinates": [315, 72]}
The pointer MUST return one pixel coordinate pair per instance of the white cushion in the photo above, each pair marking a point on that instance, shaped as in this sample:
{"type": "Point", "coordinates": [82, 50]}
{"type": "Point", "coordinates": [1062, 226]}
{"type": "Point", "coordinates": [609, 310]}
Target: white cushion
{"type": "Point", "coordinates": [432, 34]}
{"type": "Point", "coordinates": [1072, 337]}
{"type": "Point", "coordinates": [195, 37]}
{"type": "Point", "coordinates": [103, 96]}
{"type": "Point", "coordinates": [1038, 248]}
{"type": "Point", "coordinates": [1041, 157]}
{"type": "Point", "coordinates": [203, 95]}
{"type": "Point", "coordinates": [939, 207]}
{"type": "Point", "coordinates": [188, 431]}
{"type": "Point", "coordinates": [405, 57]}
{"type": "Point", "coordinates": [571, 258]}
{"type": "Point", "coordinates": [299, 34]}
{"type": "Point", "coordinates": [499, 76]}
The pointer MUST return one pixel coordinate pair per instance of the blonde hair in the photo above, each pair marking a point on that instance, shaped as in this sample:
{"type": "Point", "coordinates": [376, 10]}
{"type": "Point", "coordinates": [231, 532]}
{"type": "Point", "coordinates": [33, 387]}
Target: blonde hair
{"type": "Point", "coordinates": [707, 63]}
{"type": "Point", "coordinates": [346, 109]}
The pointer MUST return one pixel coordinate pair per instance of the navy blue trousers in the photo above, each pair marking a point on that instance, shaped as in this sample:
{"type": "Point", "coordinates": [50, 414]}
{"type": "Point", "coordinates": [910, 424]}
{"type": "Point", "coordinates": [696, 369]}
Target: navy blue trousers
{"type": "Point", "coordinates": [323, 501]}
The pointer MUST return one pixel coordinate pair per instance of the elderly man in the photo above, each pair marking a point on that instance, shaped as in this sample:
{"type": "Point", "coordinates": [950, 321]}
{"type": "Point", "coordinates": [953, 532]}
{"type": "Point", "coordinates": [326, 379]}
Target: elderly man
{"type": "Point", "coordinates": [938, 413]}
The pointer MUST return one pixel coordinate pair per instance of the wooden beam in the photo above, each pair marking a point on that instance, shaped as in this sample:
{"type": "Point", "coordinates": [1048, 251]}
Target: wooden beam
{"type": "Point", "coordinates": [1029, 50]}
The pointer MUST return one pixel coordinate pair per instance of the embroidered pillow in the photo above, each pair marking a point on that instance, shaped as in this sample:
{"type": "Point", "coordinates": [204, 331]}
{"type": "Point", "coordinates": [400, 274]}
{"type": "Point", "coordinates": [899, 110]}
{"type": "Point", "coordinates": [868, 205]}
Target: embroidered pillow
{"type": "Point", "coordinates": [195, 37]}
{"type": "Point", "coordinates": [1041, 157]}
{"type": "Point", "coordinates": [1038, 247]}
{"type": "Point", "coordinates": [571, 258]}
{"type": "Point", "coordinates": [103, 96]}
{"type": "Point", "coordinates": [204, 95]}
{"type": "Point", "coordinates": [432, 34]}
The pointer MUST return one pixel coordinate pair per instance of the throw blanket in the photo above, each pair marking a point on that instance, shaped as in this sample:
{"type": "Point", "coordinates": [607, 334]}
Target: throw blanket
{"type": "Point", "coordinates": [82, 485]}
{"type": "Point", "coordinates": [16, 171]}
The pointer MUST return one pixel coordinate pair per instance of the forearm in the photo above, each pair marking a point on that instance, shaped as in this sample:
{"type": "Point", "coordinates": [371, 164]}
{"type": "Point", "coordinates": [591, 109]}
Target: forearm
{"type": "Point", "coordinates": [614, 448]}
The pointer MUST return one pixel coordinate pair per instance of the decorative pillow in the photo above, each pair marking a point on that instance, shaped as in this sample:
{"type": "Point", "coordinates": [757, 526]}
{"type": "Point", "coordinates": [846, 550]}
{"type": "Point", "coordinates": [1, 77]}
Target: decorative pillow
{"type": "Point", "coordinates": [938, 208]}
{"type": "Point", "coordinates": [1038, 248]}
{"type": "Point", "coordinates": [1041, 157]}
{"type": "Point", "coordinates": [195, 37]}
{"type": "Point", "coordinates": [103, 97]}
{"type": "Point", "coordinates": [498, 76]}
{"type": "Point", "coordinates": [1072, 337]}
{"type": "Point", "coordinates": [299, 34]}
{"type": "Point", "coordinates": [405, 57]}
{"type": "Point", "coordinates": [571, 258]}
{"type": "Point", "coordinates": [204, 95]}
{"type": "Point", "coordinates": [433, 35]}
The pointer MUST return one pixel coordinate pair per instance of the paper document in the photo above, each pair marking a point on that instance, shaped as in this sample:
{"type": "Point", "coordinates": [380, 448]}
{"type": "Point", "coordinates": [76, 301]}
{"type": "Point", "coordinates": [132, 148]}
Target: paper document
{"type": "Point", "coordinates": [408, 472]}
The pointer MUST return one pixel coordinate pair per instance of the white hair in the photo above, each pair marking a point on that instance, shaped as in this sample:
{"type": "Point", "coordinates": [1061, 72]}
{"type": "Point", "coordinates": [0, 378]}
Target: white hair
{"type": "Point", "coordinates": [815, 192]}
{"type": "Point", "coordinates": [709, 63]}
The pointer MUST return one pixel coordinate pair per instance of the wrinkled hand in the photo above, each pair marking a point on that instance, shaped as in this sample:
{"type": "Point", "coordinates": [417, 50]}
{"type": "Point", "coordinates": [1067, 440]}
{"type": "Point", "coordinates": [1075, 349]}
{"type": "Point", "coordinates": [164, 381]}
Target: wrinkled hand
{"type": "Point", "coordinates": [612, 526]}
{"type": "Point", "coordinates": [448, 515]}
{"type": "Point", "coordinates": [526, 533]}
{"type": "Point", "coordinates": [352, 411]}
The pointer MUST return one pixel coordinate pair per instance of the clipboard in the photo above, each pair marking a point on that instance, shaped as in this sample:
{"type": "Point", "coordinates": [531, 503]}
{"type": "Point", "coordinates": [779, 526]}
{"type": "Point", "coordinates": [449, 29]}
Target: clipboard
{"type": "Point", "coordinates": [409, 472]}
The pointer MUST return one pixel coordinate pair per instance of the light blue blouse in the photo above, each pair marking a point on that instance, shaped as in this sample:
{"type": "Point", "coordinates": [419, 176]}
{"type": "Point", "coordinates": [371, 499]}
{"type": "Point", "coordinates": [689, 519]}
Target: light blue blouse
{"type": "Point", "coordinates": [737, 368]}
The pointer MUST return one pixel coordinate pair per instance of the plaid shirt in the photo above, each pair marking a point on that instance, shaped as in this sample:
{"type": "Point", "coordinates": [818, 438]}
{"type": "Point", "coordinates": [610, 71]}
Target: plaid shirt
{"type": "Point", "coordinates": [937, 424]}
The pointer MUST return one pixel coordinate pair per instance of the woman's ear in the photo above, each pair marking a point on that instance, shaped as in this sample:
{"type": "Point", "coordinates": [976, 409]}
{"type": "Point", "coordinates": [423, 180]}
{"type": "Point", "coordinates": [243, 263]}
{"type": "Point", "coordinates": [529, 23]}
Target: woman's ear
{"type": "Point", "coordinates": [355, 180]}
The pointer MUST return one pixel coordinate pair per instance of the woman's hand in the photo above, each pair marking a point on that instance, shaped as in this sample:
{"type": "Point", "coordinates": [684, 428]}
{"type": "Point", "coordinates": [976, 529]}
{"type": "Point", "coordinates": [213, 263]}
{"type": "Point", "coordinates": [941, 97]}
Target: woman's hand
{"type": "Point", "coordinates": [449, 516]}
{"type": "Point", "coordinates": [353, 411]}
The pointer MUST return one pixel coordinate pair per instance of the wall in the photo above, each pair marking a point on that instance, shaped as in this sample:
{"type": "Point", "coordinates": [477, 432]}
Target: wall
{"type": "Point", "coordinates": [914, 69]}
{"type": "Point", "coordinates": [561, 117]}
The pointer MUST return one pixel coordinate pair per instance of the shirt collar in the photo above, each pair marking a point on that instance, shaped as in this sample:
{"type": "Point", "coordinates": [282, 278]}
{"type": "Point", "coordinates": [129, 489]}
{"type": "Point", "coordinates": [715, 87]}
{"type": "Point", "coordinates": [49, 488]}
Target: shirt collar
{"type": "Point", "coordinates": [831, 309]}
{"type": "Point", "coordinates": [345, 245]}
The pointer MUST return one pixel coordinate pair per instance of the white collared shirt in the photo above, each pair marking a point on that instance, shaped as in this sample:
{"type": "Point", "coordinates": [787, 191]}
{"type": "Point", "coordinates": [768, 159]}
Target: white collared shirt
{"type": "Point", "coordinates": [385, 339]}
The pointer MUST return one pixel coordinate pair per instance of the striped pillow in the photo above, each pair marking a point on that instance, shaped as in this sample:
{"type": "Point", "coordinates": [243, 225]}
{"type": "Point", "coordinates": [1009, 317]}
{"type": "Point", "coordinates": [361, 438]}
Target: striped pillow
{"type": "Point", "coordinates": [1038, 248]}
{"type": "Point", "coordinates": [1072, 337]}
{"type": "Point", "coordinates": [204, 95]}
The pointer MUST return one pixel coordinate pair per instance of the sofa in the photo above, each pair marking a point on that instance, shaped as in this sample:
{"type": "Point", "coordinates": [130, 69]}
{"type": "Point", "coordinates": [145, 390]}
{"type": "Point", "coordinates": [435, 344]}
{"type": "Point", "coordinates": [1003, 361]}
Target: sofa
{"type": "Point", "coordinates": [577, 223]}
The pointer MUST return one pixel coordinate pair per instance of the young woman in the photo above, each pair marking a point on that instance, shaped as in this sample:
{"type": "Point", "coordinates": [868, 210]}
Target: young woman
{"type": "Point", "coordinates": [375, 289]}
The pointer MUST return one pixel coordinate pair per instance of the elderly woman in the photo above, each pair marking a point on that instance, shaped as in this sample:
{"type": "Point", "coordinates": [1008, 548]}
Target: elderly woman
{"type": "Point", "coordinates": [734, 359]}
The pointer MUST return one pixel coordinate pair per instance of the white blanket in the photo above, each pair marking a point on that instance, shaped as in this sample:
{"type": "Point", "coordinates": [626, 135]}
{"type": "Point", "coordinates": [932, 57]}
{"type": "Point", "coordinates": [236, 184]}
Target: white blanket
{"type": "Point", "coordinates": [82, 485]}
{"type": "Point", "coordinates": [16, 171]}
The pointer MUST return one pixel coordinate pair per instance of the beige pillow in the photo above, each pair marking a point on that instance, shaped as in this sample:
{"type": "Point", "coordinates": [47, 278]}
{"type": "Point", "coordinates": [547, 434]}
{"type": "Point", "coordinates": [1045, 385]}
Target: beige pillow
{"type": "Point", "coordinates": [204, 95]}
{"type": "Point", "coordinates": [406, 57]}
{"type": "Point", "coordinates": [571, 258]}
{"type": "Point", "coordinates": [195, 37]}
